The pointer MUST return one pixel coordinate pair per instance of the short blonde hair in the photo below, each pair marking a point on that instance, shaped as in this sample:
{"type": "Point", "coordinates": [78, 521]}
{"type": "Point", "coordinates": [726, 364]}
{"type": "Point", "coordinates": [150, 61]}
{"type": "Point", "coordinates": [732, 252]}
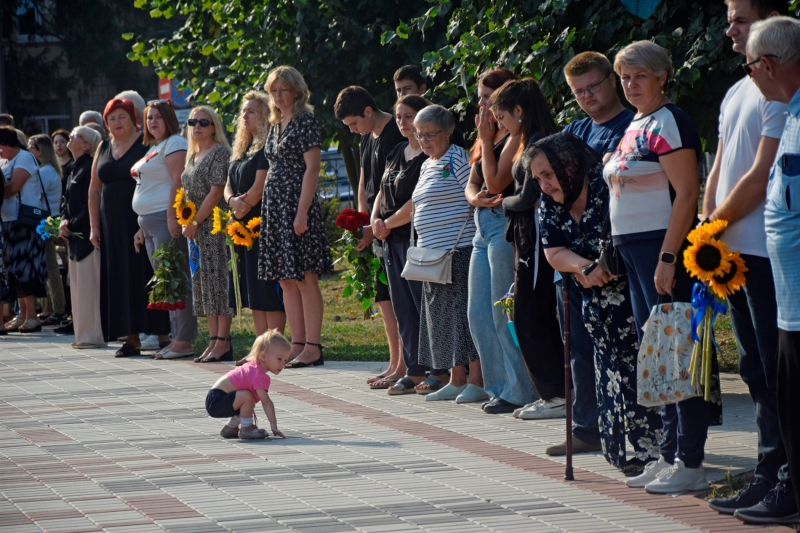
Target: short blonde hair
{"type": "Point", "coordinates": [244, 142]}
{"type": "Point", "coordinates": [291, 77]}
{"type": "Point", "coordinates": [271, 338]}
{"type": "Point", "coordinates": [219, 132]}
{"type": "Point", "coordinates": [644, 54]}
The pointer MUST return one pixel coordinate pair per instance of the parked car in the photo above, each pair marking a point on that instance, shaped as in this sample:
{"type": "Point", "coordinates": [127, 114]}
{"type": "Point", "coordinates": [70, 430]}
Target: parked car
{"type": "Point", "coordinates": [333, 182]}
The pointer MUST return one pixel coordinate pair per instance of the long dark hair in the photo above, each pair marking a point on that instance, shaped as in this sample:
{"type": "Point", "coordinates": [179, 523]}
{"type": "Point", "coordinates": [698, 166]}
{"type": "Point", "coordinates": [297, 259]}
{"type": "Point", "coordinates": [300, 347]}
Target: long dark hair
{"type": "Point", "coordinates": [537, 117]}
{"type": "Point", "coordinates": [493, 79]}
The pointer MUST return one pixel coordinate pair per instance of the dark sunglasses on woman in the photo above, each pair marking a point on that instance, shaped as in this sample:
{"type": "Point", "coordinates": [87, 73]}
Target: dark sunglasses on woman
{"type": "Point", "coordinates": [204, 122]}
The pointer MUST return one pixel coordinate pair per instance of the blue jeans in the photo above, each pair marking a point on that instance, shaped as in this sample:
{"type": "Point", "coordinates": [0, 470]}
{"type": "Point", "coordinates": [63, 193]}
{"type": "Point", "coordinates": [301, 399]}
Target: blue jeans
{"type": "Point", "coordinates": [585, 412]}
{"type": "Point", "coordinates": [491, 274]}
{"type": "Point", "coordinates": [754, 316]}
{"type": "Point", "coordinates": [685, 423]}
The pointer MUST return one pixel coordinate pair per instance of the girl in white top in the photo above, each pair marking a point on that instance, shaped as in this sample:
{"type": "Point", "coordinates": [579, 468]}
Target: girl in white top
{"type": "Point", "coordinates": [158, 178]}
{"type": "Point", "coordinates": [53, 308]}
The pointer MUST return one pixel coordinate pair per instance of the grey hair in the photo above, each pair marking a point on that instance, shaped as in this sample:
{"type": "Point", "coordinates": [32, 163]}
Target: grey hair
{"type": "Point", "coordinates": [438, 116]}
{"type": "Point", "coordinates": [91, 116]}
{"type": "Point", "coordinates": [644, 54]}
{"type": "Point", "coordinates": [779, 36]}
{"type": "Point", "coordinates": [138, 103]}
{"type": "Point", "coordinates": [90, 136]}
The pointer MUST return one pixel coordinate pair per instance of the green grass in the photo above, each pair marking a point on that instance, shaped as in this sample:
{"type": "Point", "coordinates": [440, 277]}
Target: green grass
{"type": "Point", "coordinates": [728, 355]}
{"type": "Point", "coordinates": [346, 334]}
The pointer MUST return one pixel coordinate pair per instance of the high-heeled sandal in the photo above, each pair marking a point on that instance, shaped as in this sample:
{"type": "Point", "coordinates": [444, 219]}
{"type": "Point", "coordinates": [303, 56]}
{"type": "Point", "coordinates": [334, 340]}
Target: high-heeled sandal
{"type": "Point", "coordinates": [199, 359]}
{"type": "Point", "coordinates": [227, 356]}
{"type": "Point", "coordinates": [319, 361]}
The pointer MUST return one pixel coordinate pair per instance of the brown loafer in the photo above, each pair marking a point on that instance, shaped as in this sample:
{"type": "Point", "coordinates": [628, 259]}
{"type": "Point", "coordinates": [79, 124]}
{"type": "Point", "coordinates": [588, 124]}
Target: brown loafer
{"type": "Point", "coordinates": [578, 446]}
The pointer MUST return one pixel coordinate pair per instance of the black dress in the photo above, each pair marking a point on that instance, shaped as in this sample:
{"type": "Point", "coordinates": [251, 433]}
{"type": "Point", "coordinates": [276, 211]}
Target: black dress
{"type": "Point", "coordinates": [123, 273]}
{"type": "Point", "coordinates": [257, 294]}
{"type": "Point", "coordinates": [282, 254]}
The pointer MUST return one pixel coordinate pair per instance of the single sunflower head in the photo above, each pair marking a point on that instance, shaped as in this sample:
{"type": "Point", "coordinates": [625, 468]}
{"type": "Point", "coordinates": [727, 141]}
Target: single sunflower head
{"type": "Point", "coordinates": [179, 197]}
{"type": "Point", "coordinates": [240, 235]}
{"type": "Point", "coordinates": [707, 258]}
{"type": "Point", "coordinates": [186, 213]}
{"type": "Point", "coordinates": [254, 225]}
{"type": "Point", "coordinates": [707, 231]}
{"type": "Point", "coordinates": [731, 281]}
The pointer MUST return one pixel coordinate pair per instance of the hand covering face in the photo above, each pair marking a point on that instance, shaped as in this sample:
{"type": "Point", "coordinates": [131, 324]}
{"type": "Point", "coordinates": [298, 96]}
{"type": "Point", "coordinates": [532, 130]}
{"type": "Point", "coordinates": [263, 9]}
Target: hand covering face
{"type": "Point", "coordinates": [571, 161]}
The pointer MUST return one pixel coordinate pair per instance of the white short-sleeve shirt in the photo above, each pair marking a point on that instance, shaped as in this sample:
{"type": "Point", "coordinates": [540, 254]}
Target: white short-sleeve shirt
{"type": "Point", "coordinates": [152, 175]}
{"type": "Point", "coordinates": [31, 192]}
{"type": "Point", "coordinates": [745, 117]}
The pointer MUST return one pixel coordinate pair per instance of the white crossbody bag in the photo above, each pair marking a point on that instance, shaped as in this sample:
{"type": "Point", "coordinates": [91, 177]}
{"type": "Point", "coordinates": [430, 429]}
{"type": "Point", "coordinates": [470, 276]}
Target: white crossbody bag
{"type": "Point", "coordinates": [426, 264]}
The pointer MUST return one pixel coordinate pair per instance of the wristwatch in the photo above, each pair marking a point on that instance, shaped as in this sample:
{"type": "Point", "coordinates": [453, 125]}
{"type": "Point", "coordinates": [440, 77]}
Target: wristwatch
{"type": "Point", "coordinates": [195, 223]}
{"type": "Point", "coordinates": [668, 258]}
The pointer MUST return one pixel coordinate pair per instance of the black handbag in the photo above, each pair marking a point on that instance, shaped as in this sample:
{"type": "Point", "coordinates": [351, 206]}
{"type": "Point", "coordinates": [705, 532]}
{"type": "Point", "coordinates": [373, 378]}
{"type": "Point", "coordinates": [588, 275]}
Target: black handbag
{"type": "Point", "coordinates": [30, 216]}
{"type": "Point", "coordinates": [610, 259]}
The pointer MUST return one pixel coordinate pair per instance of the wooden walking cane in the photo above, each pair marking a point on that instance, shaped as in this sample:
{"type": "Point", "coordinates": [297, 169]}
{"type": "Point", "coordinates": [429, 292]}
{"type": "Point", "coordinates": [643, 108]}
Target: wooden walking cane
{"type": "Point", "coordinates": [565, 281]}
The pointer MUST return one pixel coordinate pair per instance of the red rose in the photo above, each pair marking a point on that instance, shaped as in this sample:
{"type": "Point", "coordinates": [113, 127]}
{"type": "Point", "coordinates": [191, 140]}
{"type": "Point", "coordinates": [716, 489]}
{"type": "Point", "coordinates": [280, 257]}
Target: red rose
{"type": "Point", "coordinates": [180, 305]}
{"type": "Point", "coordinates": [151, 305]}
{"type": "Point", "coordinates": [361, 218]}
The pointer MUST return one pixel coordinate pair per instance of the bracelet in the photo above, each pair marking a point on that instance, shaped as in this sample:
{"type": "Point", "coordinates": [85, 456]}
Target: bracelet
{"type": "Point", "coordinates": [228, 200]}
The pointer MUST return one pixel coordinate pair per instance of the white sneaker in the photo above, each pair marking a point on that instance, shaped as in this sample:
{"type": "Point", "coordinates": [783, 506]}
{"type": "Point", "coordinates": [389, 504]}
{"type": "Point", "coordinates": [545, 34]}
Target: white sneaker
{"type": "Point", "coordinates": [149, 342]}
{"type": "Point", "coordinates": [555, 408]}
{"type": "Point", "coordinates": [518, 410]}
{"type": "Point", "coordinates": [681, 479]}
{"type": "Point", "coordinates": [652, 471]}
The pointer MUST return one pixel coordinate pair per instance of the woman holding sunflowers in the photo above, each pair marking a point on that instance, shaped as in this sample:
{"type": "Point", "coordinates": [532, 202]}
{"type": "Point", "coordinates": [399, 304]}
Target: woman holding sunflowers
{"type": "Point", "coordinates": [203, 182]}
{"type": "Point", "coordinates": [572, 215]}
{"type": "Point", "coordinates": [654, 189]}
{"type": "Point", "coordinates": [247, 173]}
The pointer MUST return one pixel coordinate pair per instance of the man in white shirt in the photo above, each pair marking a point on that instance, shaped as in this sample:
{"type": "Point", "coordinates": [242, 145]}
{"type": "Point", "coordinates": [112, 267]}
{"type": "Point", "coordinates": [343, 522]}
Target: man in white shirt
{"type": "Point", "coordinates": [749, 133]}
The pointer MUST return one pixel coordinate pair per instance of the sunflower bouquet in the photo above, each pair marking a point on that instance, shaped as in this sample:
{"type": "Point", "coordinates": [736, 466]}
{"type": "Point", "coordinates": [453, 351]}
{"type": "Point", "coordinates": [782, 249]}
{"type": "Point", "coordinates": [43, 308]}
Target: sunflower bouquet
{"type": "Point", "coordinates": [185, 209]}
{"type": "Point", "coordinates": [721, 273]}
{"type": "Point", "coordinates": [237, 233]}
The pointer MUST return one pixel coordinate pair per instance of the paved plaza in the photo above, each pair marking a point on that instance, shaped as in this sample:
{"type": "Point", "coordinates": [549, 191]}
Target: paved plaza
{"type": "Point", "coordinates": [94, 443]}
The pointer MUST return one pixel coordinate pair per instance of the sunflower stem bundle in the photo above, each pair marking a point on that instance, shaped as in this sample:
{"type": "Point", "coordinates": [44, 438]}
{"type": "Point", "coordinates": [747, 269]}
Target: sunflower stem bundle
{"type": "Point", "coordinates": [234, 268]}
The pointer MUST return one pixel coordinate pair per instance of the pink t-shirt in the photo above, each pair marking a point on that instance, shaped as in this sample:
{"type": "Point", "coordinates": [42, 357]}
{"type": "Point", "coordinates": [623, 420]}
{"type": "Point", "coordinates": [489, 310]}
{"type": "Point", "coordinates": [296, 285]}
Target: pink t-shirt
{"type": "Point", "coordinates": [249, 377]}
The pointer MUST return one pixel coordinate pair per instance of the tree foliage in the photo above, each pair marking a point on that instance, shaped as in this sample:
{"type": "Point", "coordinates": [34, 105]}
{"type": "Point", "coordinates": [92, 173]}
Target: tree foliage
{"type": "Point", "coordinates": [227, 48]}
{"type": "Point", "coordinates": [538, 37]}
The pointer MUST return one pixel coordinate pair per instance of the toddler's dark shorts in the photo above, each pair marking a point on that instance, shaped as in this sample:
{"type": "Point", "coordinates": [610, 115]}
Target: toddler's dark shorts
{"type": "Point", "coordinates": [219, 404]}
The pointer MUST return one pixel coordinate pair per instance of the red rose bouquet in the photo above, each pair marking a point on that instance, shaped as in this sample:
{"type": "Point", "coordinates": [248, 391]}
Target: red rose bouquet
{"type": "Point", "coordinates": [364, 266]}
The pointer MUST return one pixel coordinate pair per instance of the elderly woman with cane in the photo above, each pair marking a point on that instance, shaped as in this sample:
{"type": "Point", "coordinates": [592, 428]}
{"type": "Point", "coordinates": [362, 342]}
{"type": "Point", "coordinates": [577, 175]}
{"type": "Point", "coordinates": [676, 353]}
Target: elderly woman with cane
{"type": "Point", "coordinates": [574, 208]}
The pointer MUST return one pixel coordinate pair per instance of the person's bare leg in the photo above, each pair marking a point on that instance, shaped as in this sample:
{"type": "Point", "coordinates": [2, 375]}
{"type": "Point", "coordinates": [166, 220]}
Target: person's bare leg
{"type": "Point", "coordinates": [312, 314]}
{"type": "Point", "coordinates": [260, 322]}
{"type": "Point", "coordinates": [223, 332]}
{"type": "Point", "coordinates": [475, 374]}
{"type": "Point", "coordinates": [396, 368]}
{"type": "Point", "coordinates": [212, 332]}
{"type": "Point", "coordinates": [27, 306]}
{"type": "Point", "coordinates": [293, 301]}
{"type": "Point", "coordinates": [276, 320]}
{"type": "Point", "coordinates": [458, 376]}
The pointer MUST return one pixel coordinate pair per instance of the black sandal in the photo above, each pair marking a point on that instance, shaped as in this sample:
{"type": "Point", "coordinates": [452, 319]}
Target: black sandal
{"type": "Point", "coordinates": [199, 359]}
{"type": "Point", "coordinates": [319, 361]}
{"type": "Point", "coordinates": [128, 350]}
{"type": "Point", "coordinates": [227, 356]}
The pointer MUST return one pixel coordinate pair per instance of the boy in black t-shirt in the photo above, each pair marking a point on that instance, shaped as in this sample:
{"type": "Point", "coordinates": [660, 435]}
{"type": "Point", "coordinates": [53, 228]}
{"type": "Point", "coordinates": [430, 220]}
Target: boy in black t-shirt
{"type": "Point", "coordinates": [408, 80]}
{"type": "Point", "coordinates": [356, 108]}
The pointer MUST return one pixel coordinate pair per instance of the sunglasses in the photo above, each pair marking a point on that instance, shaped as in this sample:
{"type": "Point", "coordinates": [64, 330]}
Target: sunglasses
{"type": "Point", "coordinates": [154, 102]}
{"type": "Point", "coordinates": [749, 70]}
{"type": "Point", "coordinates": [203, 122]}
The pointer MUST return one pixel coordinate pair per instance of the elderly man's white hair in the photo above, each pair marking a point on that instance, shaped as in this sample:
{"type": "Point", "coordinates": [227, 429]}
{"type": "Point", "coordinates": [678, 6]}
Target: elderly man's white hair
{"type": "Point", "coordinates": [779, 36]}
{"type": "Point", "coordinates": [138, 103]}
{"type": "Point", "coordinates": [90, 116]}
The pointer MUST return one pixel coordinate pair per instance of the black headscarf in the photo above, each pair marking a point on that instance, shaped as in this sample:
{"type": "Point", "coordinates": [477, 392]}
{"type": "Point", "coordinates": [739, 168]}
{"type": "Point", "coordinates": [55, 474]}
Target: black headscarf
{"type": "Point", "coordinates": [571, 160]}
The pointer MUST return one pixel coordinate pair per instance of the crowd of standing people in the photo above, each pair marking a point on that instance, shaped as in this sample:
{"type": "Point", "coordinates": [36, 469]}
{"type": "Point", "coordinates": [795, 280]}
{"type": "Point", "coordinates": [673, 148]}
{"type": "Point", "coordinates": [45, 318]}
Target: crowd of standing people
{"type": "Point", "coordinates": [524, 211]}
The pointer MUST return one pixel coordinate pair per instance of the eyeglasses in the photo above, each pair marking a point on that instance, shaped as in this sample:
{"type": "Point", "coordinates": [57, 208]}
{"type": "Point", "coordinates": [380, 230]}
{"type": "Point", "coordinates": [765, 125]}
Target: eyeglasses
{"type": "Point", "coordinates": [428, 136]}
{"type": "Point", "coordinates": [203, 122]}
{"type": "Point", "coordinates": [749, 70]}
{"type": "Point", "coordinates": [580, 94]}
{"type": "Point", "coordinates": [154, 102]}
{"type": "Point", "coordinates": [74, 136]}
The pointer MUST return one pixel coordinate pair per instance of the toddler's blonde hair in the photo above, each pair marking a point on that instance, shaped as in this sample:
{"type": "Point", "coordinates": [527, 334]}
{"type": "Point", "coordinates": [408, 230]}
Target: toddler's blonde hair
{"type": "Point", "coordinates": [264, 342]}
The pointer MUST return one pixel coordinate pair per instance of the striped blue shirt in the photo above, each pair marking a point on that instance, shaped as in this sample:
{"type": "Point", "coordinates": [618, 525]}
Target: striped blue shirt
{"type": "Point", "coordinates": [440, 206]}
{"type": "Point", "coordinates": [782, 220]}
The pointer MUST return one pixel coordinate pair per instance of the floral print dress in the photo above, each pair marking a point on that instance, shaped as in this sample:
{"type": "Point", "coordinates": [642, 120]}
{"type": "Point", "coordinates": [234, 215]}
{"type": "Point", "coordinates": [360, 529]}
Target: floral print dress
{"type": "Point", "coordinates": [609, 320]}
{"type": "Point", "coordinates": [282, 254]}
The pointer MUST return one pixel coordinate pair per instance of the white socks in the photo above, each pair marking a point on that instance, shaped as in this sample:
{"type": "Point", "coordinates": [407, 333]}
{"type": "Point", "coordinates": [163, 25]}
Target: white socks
{"type": "Point", "coordinates": [246, 421]}
{"type": "Point", "coordinates": [234, 422]}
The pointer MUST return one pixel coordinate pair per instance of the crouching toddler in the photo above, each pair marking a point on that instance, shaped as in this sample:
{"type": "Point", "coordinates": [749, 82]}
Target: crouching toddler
{"type": "Point", "coordinates": [236, 394]}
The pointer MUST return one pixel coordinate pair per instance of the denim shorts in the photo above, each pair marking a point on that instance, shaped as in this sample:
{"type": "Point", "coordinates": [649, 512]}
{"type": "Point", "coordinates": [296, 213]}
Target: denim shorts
{"type": "Point", "coordinates": [219, 404]}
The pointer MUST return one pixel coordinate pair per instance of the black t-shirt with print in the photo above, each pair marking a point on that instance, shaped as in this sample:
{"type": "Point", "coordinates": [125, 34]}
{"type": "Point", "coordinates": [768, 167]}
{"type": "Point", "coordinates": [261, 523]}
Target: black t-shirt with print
{"type": "Point", "coordinates": [374, 152]}
{"type": "Point", "coordinates": [397, 186]}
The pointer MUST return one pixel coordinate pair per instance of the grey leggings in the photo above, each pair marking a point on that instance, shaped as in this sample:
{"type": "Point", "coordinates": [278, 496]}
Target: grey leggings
{"type": "Point", "coordinates": [183, 323]}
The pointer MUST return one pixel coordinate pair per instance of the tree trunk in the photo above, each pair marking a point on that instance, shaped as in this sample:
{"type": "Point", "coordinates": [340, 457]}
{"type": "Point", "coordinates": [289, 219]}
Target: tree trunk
{"type": "Point", "coordinates": [351, 156]}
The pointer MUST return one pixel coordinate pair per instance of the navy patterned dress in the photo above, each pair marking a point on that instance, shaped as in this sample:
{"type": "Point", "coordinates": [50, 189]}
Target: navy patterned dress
{"type": "Point", "coordinates": [608, 315]}
{"type": "Point", "coordinates": [282, 254]}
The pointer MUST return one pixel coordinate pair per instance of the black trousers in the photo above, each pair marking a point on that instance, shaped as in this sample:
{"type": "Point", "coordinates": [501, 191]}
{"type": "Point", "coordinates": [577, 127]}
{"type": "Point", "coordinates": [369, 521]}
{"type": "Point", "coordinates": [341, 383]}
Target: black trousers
{"type": "Point", "coordinates": [789, 402]}
{"type": "Point", "coordinates": [536, 322]}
